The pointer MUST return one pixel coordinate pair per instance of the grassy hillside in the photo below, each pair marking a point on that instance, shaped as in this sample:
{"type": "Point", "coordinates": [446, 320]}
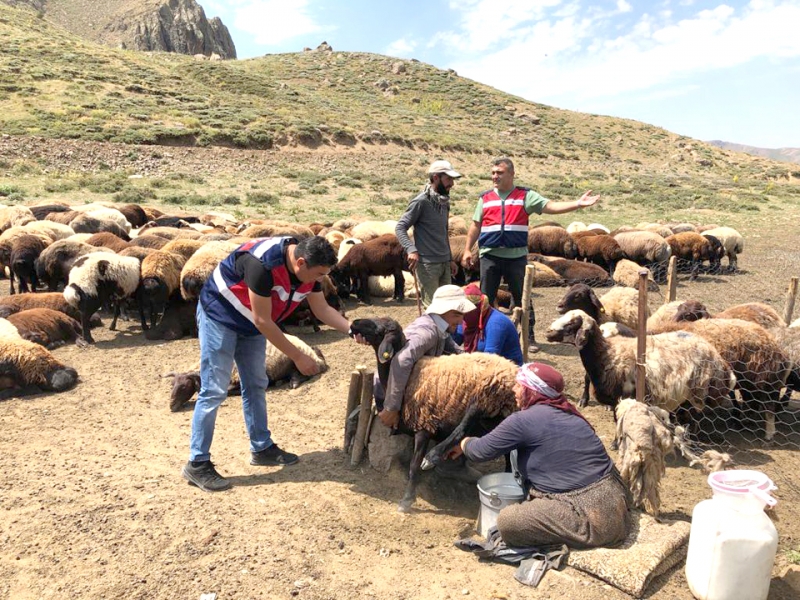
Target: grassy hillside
{"type": "Point", "coordinates": [791, 155]}
{"type": "Point", "coordinates": [361, 109]}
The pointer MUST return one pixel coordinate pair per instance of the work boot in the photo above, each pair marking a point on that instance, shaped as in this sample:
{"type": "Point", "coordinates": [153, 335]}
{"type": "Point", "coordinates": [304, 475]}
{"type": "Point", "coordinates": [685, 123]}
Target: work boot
{"type": "Point", "coordinates": [458, 469]}
{"type": "Point", "coordinates": [273, 457]}
{"type": "Point", "coordinates": [205, 476]}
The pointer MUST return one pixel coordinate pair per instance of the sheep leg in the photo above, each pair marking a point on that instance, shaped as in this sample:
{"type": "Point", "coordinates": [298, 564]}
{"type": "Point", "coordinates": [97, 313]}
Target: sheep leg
{"type": "Point", "coordinates": [399, 285]}
{"type": "Point", "coordinates": [113, 326]}
{"type": "Point", "coordinates": [440, 450]}
{"type": "Point", "coordinates": [584, 399]}
{"type": "Point", "coordinates": [87, 334]}
{"type": "Point", "coordinates": [420, 443]}
{"type": "Point", "coordinates": [11, 291]}
{"type": "Point", "coordinates": [363, 292]}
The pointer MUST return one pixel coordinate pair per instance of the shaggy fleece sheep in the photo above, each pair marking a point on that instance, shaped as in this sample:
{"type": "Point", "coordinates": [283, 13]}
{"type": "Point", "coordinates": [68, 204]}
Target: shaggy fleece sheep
{"type": "Point", "coordinates": [160, 278]}
{"type": "Point", "coordinates": [27, 368]}
{"type": "Point", "coordinates": [732, 242]}
{"type": "Point", "coordinates": [46, 327]}
{"type": "Point", "coordinates": [201, 265]}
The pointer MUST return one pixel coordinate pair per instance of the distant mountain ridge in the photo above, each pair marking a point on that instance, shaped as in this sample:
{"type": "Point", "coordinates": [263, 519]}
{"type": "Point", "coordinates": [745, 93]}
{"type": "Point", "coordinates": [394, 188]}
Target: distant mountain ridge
{"type": "Point", "coordinates": [179, 26]}
{"type": "Point", "coordinates": [791, 155]}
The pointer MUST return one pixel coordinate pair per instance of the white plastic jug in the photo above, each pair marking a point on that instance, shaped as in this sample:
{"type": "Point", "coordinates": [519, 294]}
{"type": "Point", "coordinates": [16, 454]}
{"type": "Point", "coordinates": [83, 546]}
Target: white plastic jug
{"type": "Point", "coordinates": [732, 542]}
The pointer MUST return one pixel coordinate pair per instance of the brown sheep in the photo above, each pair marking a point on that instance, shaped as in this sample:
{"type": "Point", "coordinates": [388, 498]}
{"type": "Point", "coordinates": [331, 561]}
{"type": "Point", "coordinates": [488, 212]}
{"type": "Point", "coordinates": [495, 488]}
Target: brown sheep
{"type": "Point", "coordinates": [160, 279]}
{"type": "Point", "coordinates": [380, 256]}
{"type": "Point", "coordinates": [134, 214]}
{"type": "Point", "coordinates": [183, 247]}
{"type": "Point", "coordinates": [55, 300]}
{"type": "Point", "coordinates": [551, 241]}
{"type": "Point", "coordinates": [27, 368]}
{"type": "Point", "coordinates": [63, 217]}
{"type": "Point", "coordinates": [601, 250]}
{"type": "Point", "coordinates": [108, 240]}
{"type": "Point", "coordinates": [137, 252]}
{"type": "Point", "coordinates": [693, 248]}
{"type": "Point", "coordinates": [46, 327]}
{"type": "Point", "coordinates": [24, 251]}
{"type": "Point", "coordinates": [573, 271]}
{"type": "Point", "coordinates": [755, 312]}
{"type": "Point", "coordinates": [154, 242]}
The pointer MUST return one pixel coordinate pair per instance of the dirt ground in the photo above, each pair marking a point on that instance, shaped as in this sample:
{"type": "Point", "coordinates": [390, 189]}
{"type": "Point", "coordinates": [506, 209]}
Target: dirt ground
{"type": "Point", "coordinates": [93, 504]}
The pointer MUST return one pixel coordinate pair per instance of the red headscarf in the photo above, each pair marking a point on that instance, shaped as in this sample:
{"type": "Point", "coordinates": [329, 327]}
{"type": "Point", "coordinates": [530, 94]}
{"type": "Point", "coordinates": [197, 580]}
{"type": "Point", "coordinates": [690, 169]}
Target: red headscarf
{"type": "Point", "coordinates": [542, 384]}
{"type": "Point", "coordinates": [475, 320]}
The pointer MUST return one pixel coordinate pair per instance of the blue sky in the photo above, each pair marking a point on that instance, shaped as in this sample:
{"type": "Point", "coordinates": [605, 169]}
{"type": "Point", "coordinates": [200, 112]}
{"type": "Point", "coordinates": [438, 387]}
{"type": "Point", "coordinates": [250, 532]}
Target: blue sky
{"type": "Point", "coordinates": [706, 69]}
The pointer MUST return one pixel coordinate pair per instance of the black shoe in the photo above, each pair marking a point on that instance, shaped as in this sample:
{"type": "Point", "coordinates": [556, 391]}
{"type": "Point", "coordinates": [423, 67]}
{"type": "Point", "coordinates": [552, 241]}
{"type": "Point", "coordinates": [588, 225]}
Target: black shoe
{"type": "Point", "coordinates": [273, 457]}
{"type": "Point", "coordinates": [205, 477]}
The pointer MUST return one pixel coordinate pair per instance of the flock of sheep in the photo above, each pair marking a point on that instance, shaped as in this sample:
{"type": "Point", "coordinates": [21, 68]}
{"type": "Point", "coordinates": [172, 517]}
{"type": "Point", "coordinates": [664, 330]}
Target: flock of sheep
{"type": "Point", "coordinates": [138, 259]}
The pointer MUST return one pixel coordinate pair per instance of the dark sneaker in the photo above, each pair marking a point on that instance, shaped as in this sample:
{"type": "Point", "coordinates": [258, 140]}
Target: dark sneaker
{"type": "Point", "coordinates": [273, 457]}
{"type": "Point", "coordinates": [205, 477]}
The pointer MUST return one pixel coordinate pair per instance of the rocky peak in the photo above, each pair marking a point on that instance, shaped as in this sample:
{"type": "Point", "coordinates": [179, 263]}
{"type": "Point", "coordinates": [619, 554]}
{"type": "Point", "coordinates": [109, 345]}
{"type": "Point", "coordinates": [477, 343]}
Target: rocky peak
{"type": "Point", "coordinates": [150, 25]}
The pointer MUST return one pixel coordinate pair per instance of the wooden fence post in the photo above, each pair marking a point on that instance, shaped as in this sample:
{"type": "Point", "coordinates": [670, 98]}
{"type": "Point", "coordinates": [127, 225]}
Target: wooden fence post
{"type": "Point", "coordinates": [641, 337]}
{"type": "Point", "coordinates": [359, 441]}
{"type": "Point", "coordinates": [791, 294]}
{"type": "Point", "coordinates": [527, 289]}
{"type": "Point", "coordinates": [353, 397]}
{"type": "Point", "coordinates": [672, 280]}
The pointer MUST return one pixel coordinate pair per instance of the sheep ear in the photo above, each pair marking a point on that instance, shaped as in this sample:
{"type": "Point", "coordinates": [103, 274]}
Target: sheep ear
{"type": "Point", "coordinates": [385, 351]}
{"type": "Point", "coordinates": [597, 304]}
{"type": "Point", "coordinates": [102, 267]}
{"type": "Point", "coordinates": [580, 338]}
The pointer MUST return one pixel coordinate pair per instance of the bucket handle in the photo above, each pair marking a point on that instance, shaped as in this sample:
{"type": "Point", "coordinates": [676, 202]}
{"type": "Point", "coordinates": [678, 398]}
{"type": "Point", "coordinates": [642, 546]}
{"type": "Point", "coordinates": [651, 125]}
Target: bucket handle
{"type": "Point", "coordinates": [494, 499]}
{"type": "Point", "coordinates": [764, 496]}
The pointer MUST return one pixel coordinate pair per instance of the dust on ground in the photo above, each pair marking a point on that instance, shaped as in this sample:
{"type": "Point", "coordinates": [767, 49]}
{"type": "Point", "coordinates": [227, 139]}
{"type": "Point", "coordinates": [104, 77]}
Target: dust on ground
{"type": "Point", "coordinates": [93, 504]}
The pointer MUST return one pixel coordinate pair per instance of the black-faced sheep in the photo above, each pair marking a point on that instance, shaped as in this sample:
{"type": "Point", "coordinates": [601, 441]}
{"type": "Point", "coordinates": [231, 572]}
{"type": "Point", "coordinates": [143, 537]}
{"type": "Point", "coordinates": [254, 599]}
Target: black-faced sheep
{"type": "Point", "coordinates": [760, 366]}
{"type": "Point", "coordinates": [680, 368]}
{"type": "Point", "coordinates": [278, 366]}
{"type": "Point", "coordinates": [618, 305]}
{"type": "Point", "coordinates": [24, 252]}
{"type": "Point", "coordinates": [160, 279]}
{"type": "Point", "coordinates": [106, 239]}
{"type": "Point", "coordinates": [573, 271]}
{"type": "Point", "coordinates": [99, 278]}
{"type": "Point", "coordinates": [602, 250]}
{"type": "Point", "coordinates": [445, 397]}
{"type": "Point", "coordinates": [692, 248]}
{"type": "Point", "coordinates": [201, 265]}
{"type": "Point", "coordinates": [380, 256]}
{"type": "Point", "coordinates": [27, 368]}
{"type": "Point", "coordinates": [46, 327]}
{"type": "Point", "coordinates": [648, 249]}
{"type": "Point", "coordinates": [551, 241]}
{"type": "Point", "coordinates": [85, 223]}
{"type": "Point", "coordinates": [732, 242]}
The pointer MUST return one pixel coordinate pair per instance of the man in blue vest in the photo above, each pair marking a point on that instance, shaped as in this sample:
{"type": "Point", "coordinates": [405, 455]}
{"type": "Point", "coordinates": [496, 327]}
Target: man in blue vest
{"type": "Point", "coordinates": [249, 293]}
{"type": "Point", "coordinates": [500, 226]}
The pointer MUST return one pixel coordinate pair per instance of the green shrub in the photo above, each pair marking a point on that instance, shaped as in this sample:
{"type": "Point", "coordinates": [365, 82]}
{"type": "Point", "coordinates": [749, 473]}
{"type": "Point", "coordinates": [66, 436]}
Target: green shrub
{"type": "Point", "coordinates": [134, 195]}
{"type": "Point", "coordinates": [9, 191]}
{"type": "Point", "coordinates": [262, 198]}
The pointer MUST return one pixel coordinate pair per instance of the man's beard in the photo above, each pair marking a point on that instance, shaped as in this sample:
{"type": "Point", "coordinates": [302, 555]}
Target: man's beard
{"type": "Point", "coordinates": [441, 190]}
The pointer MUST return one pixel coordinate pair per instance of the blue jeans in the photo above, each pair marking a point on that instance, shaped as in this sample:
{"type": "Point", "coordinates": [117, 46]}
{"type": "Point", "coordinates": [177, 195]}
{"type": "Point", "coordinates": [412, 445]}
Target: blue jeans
{"type": "Point", "coordinates": [219, 348]}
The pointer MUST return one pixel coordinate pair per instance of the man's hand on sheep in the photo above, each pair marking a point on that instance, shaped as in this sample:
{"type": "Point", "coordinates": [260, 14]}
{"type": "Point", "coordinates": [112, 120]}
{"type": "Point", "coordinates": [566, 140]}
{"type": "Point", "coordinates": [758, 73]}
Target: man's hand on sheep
{"type": "Point", "coordinates": [467, 260]}
{"type": "Point", "coordinates": [390, 418]}
{"type": "Point", "coordinates": [306, 365]}
{"type": "Point", "coordinates": [587, 199]}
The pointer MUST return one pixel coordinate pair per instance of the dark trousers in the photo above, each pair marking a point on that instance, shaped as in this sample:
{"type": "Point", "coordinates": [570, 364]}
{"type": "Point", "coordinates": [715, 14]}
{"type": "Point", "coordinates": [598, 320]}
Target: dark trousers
{"type": "Point", "coordinates": [512, 270]}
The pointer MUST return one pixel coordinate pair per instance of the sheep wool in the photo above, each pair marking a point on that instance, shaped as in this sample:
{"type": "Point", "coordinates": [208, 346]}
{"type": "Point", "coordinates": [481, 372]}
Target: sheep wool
{"type": "Point", "coordinates": [56, 231]}
{"type": "Point", "coordinates": [7, 330]}
{"type": "Point", "coordinates": [644, 442]}
{"type": "Point", "coordinates": [45, 326]}
{"type": "Point", "coordinates": [15, 215]}
{"type": "Point", "coordinates": [345, 245]}
{"type": "Point", "coordinates": [26, 363]}
{"type": "Point", "coordinates": [111, 214]}
{"type": "Point", "coordinates": [200, 266]}
{"type": "Point", "coordinates": [90, 269]}
{"type": "Point", "coordinates": [165, 267]}
{"type": "Point", "coordinates": [439, 388]}
{"type": "Point", "coordinates": [383, 286]}
{"type": "Point", "coordinates": [627, 273]}
{"type": "Point", "coordinates": [369, 230]}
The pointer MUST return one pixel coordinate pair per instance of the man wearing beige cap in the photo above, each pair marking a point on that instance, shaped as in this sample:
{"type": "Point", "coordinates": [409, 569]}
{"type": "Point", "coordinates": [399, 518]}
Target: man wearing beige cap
{"type": "Point", "coordinates": [427, 335]}
{"type": "Point", "coordinates": [428, 213]}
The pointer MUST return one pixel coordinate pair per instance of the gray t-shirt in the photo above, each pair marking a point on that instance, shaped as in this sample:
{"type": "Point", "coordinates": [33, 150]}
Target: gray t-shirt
{"type": "Point", "coordinates": [428, 213]}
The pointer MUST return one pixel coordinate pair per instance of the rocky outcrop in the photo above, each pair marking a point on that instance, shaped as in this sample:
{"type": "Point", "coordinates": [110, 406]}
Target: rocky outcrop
{"type": "Point", "coordinates": [150, 25]}
{"type": "Point", "coordinates": [176, 26]}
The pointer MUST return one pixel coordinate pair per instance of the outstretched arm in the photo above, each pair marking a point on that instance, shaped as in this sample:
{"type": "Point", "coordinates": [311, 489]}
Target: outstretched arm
{"type": "Point", "coordinates": [557, 208]}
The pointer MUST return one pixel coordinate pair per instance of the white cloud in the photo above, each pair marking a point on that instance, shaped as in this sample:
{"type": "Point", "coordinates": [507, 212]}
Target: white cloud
{"type": "Point", "coordinates": [623, 6]}
{"type": "Point", "coordinates": [583, 56]}
{"type": "Point", "coordinates": [402, 47]}
{"type": "Point", "coordinates": [271, 22]}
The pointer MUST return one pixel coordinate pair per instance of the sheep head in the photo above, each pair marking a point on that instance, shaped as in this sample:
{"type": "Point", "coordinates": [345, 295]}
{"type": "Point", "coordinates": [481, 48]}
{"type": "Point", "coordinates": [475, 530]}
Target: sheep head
{"type": "Point", "coordinates": [691, 310]}
{"type": "Point", "coordinates": [384, 335]}
{"type": "Point", "coordinates": [575, 327]}
{"type": "Point", "coordinates": [581, 297]}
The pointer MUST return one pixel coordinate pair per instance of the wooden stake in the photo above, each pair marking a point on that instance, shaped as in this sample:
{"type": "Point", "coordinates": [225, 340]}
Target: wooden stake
{"type": "Point", "coordinates": [672, 280]}
{"type": "Point", "coordinates": [353, 396]}
{"type": "Point", "coordinates": [641, 335]}
{"type": "Point", "coordinates": [527, 289]}
{"type": "Point", "coordinates": [791, 295]}
{"type": "Point", "coordinates": [363, 418]}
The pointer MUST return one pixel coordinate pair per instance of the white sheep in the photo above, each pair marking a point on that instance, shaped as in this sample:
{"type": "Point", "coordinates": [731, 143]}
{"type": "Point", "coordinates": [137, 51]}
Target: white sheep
{"type": "Point", "coordinates": [201, 265]}
{"type": "Point", "coordinates": [383, 286]}
{"type": "Point", "coordinates": [15, 215]}
{"type": "Point", "coordinates": [576, 226]}
{"type": "Point", "coordinates": [732, 242]}
{"type": "Point", "coordinates": [7, 330]}
{"type": "Point", "coordinates": [626, 272]}
{"type": "Point", "coordinates": [99, 277]}
{"type": "Point", "coordinates": [369, 230]}
{"type": "Point", "coordinates": [345, 245]}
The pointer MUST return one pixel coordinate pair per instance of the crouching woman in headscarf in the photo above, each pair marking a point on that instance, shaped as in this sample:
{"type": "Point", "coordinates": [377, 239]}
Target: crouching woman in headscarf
{"type": "Point", "coordinates": [575, 494]}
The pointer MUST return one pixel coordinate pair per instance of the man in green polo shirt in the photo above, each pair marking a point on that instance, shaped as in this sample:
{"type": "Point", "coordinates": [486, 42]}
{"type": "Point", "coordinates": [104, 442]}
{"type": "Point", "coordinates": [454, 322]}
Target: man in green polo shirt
{"type": "Point", "coordinates": [500, 226]}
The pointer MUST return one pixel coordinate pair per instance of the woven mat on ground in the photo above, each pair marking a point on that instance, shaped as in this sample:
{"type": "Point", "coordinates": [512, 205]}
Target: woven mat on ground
{"type": "Point", "coordinates": [651, 549]}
